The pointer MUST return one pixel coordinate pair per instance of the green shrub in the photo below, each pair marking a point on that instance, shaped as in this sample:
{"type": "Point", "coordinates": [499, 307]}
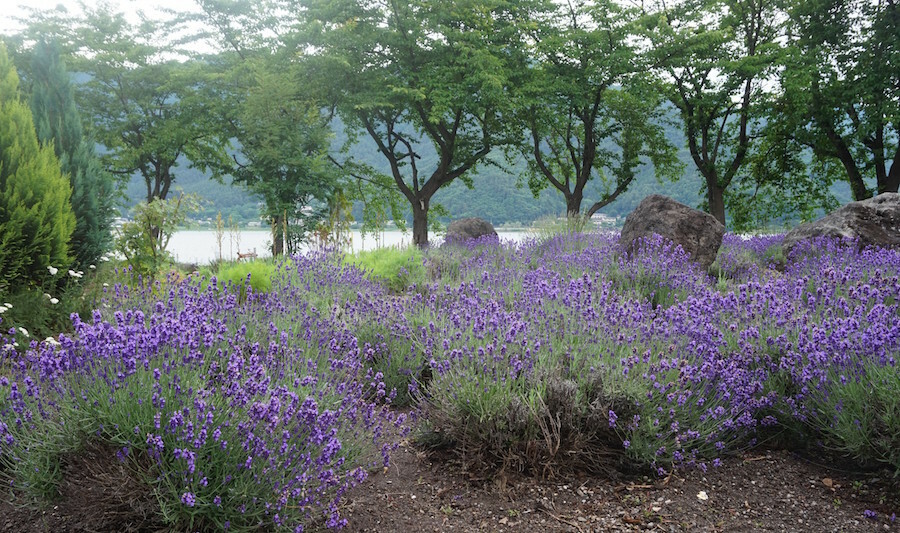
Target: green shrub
{"type": "Point", "coordinates": [58, 122]}
{"type": "Point", "coordinates": [36, 219]}
{"type": "Point", "coordinates": [259, 271]}
{"type": "Point", "coordinates": [859, 414]}
{"type": "Point", "coordinates": [144, 239]}
{"type": "Point", "coordinates": [543, 423]}
{"type": "Point", "coordinates": [396, 268]}
{"type": "Point", "coordinates": [44, 307]}
{"type": "Point", "coordinates": [774, 256]}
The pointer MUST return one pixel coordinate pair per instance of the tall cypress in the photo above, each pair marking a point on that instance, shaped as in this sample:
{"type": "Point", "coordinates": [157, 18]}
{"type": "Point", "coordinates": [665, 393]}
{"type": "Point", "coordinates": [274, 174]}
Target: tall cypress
{"type": "Point", "coordinates": [36, 219]}
{"type": "Point", "coordinates": [57, 120]}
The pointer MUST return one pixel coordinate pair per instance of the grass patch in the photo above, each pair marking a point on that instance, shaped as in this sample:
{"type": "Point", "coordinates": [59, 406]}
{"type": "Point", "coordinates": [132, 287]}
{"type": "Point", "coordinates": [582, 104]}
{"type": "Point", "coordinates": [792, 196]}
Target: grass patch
{"type": "Point", "coordinates": [257, 273]}
{"type": "Point", "coordinates": [397, 268]}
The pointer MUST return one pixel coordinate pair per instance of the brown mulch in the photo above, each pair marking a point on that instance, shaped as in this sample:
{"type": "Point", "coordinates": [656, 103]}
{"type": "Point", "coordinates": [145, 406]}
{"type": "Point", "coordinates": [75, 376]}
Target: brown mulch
{"type": "Point", "coordinates": [418, 493]}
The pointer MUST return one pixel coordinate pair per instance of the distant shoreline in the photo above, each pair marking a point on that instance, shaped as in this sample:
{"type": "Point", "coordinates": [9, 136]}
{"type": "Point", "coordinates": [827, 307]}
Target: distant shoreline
{"type": "Point", "coordinates": [502, 229]}
{"type": "Point", "coordinates": [201, 246]}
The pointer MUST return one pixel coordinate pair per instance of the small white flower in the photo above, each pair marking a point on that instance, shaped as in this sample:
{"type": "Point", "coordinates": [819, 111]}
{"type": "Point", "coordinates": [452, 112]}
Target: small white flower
{"type": "Point", "coordinates": [104, 259]}
{"type": "Point", "coordinates": [54, 301]}
{"type": "Point", "coordinates": [24, 331]}
{"type": "Point", "coordinates": [75, 274]}
{"type": "Point", "coordinates": [2, 309]}
{"type": "Point", "coordinates": [51, 341]}
{"type": "Point", "coordinates": [92, 267]}
{"type": "Point", "coordinates": [106, 284]}
{"type": "Point", "coordinates": [53, 270]}
{"type": "Point", "coordinates": [8, 305]}
{"type": "Point", "coordinates": [47, 296]}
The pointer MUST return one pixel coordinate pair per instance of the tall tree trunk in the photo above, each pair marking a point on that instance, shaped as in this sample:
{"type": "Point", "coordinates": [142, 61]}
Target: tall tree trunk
{"type": "Point", "coordinates": [573, 204]}
{"type": "Point", "coordinates": [715, 196]}
{"type": "Point", "coordinates": [854, 176]}
{"type": "Point", "coordinates": [277, 235]}
{"type": "Point", "coordinates": [420, 222]}
{"type": "Point", "coordinates": [857, 185]}
{"type": "Point", "coordinates": [892, 180]}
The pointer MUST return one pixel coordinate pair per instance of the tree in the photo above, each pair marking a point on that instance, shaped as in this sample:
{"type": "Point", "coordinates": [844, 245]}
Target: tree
{"type": "Point", "coordinates": [842, 86]}
{"type": "Point", "coordinates": [274, 115]}
{"type": "Point", "coordinates": [588, 107]}
{"type": "Point", "coordinates": [36, 218]}
{"type": "Point", "coordinates": [778, 181]}
{"type": "Point", "coordinates": [58, 124]}
{"type": "Point", "coordinates": [283, 141]}
{"type": "Point", "coordinates": [147, 108]}
{"type": "Point", "coordinates": [428, 82]}
{"type": "Point", "coordinates": [143, 239]}
{"type": "Point", "coordinates": [716, 56]}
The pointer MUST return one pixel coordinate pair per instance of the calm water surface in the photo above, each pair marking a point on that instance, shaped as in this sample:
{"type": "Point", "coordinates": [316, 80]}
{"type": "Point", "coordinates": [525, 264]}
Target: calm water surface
{"type": "Point", "coordinates": [201, 246]}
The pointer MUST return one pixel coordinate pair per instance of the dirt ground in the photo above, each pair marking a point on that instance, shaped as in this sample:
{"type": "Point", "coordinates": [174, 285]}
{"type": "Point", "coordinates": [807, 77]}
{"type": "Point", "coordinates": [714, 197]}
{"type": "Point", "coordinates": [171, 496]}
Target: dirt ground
{"type": "Point", "coordinates": [775, 491]}
{"type": "Point", "coordinates": [419, 493]}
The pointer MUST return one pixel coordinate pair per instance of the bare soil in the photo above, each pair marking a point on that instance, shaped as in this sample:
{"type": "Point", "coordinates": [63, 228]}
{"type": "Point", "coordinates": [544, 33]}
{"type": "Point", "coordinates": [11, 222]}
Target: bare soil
{"type": "Point", "coordinates": [768, 491]}
{"type": "Point", "coordinates": [419, 492]}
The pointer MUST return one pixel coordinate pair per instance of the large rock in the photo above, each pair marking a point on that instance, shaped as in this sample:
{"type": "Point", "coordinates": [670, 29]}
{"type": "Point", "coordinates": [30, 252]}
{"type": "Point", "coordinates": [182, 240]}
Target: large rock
{"type": "Point", "coordinates": [699, 233]}
{"type": "Point", "coordinates": [466, 229]}
{"type": "Point", "coordinates": [872, 222]}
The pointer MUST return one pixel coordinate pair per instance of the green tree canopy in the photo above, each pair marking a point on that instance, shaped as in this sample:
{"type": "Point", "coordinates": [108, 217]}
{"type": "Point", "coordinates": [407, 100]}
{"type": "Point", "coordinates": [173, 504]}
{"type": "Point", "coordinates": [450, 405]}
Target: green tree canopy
{"type": "Point", "coordinates": [842, 89]}
{"type": "Point", "coordinates": [588, 106]}
{"type": "Point", "coordinates": [58, 124]}
{"type": "Point", "coordinates": [36, 218]}
{"type": "Point", "coordinates": [271, 107]}
{"type": "Point", "coordinates": [717, 56]}
{"type": "Point", "coordinates": [146, 105]}
{"type": "Point", "coordinates": [428, 82]}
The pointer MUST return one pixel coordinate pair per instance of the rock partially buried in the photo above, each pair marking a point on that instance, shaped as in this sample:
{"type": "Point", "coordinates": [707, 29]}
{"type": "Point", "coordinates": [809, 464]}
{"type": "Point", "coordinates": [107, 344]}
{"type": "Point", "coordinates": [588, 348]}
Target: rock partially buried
{"type": "Point", "coordinates": [467, 229]}
{"type": "Point", "coordinates": [698, 233]}
{"type": "Point", "coordinates": [872, 222]}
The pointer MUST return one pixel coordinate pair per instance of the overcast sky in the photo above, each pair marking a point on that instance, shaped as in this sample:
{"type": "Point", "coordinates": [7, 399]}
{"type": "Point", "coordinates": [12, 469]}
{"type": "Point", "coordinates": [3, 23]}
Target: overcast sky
{"type": "Point", "coordinates": [15, 8]}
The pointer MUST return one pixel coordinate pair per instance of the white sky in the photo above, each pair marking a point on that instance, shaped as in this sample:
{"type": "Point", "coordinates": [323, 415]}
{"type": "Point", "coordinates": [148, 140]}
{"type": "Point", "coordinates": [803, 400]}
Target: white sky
{"type": "Point", "coordinates": [16, 8]}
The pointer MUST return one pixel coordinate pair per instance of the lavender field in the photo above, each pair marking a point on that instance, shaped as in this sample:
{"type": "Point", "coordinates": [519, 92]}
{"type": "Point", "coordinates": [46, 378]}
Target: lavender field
{"type": "Point", "coordinates": [248, 409]}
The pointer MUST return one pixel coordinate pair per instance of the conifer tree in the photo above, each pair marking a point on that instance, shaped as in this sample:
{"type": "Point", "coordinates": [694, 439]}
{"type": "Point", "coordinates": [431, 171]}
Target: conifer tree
{"type": "Point", "coordinates": [36, 219]}
{"type": "Point", "coordinates": [56, 119]}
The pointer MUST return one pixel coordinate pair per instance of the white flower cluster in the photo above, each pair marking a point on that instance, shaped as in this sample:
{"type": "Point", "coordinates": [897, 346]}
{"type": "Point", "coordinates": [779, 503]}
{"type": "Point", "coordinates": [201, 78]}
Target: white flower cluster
{"type": "Point", "coordinates": [74, 273]}
{"type": "Point", "coordinates": [4, 308]}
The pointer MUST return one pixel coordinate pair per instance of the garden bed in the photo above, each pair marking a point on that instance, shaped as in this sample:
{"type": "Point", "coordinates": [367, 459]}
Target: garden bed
{"type": "Point", "coordinates": [559, 383]}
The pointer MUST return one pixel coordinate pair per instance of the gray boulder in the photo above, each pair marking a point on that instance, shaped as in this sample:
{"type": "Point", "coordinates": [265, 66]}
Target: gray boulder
{"type": "Point", "coordinates": [466, 229]}
{"type": "Point", "coordinates": [872, 222]}
{"type": "Point", "coordinates": [698, 233]}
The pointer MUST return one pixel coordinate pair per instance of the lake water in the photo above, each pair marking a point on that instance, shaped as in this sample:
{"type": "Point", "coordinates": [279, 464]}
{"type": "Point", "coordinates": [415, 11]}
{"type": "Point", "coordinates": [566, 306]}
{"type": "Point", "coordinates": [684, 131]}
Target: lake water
{"type": "Point", "coordinates": [201, 246]}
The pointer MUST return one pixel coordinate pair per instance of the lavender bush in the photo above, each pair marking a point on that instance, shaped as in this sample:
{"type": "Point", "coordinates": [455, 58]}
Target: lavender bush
{"type": "Point", "coordinates": [570, 340]}
{"type": "Point", "coordinates": [252, 416]}
{"type": "Point", "coordinates": [249, 409]}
